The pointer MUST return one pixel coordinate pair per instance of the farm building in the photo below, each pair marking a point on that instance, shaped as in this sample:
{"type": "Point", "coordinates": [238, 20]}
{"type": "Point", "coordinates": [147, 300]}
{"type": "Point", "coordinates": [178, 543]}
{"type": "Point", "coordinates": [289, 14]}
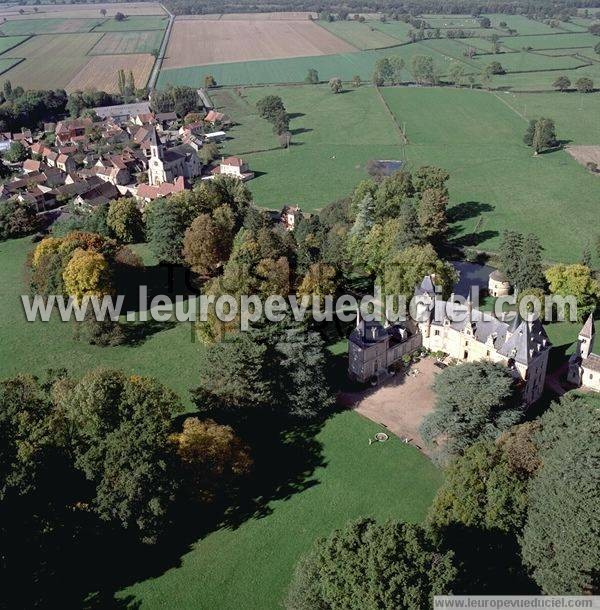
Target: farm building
{"type": "Point", "coordinates": [121, 113]}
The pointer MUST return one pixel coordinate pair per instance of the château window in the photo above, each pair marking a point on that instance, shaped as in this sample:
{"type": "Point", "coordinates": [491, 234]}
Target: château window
{"type": "Point", "coordinates": [436, 333]}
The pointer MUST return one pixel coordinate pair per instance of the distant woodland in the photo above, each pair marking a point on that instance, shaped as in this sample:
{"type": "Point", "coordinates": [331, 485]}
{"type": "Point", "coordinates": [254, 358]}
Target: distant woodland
{"type": "Point", "coordinates": [392, 8]}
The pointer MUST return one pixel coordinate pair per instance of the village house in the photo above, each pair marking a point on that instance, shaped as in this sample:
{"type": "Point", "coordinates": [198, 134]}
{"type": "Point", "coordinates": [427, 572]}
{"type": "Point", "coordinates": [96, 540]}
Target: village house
{"type": "Point", "coordinates": [70, 130]}
{"type": "Point", "coordinates": [25, 137]}
{"type": "Point", "coordinates": [146, 193]}
{"type": "Point", "coordinates": [289, 217]}
{"type": "Point", "coordinates": [216, 118]}
{"type": "Point", "coordinates": [166, 120]}
{"type": "Point", "coordinates": [458, 330]}
{"type": "Point", "coordinates": [192, 129]}
{"type": "Point", "coordinates": [584, 364]}
{"type": "Point", "coordinates": [167, 164]}
{"type": "Point", "coordinates": [235, 167]}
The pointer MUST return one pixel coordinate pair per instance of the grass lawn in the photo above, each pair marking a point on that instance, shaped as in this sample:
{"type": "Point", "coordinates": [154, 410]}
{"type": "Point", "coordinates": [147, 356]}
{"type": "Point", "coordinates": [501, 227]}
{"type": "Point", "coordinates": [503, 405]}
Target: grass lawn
{"type": "Point", "coordinates": [250, 567]}
{"type": "Point", "coordinates": [495, 180]}
{"type": "Point", "coordinates": [170, 355]}
{"type": "Point", "coordinates": [361, 35]}
{"type": "Point", "coordinates": [27, 27]}
{"type": "Point", "coordinates": [333, 138]}
{"type": "Point", "coordinates": [135, 22]}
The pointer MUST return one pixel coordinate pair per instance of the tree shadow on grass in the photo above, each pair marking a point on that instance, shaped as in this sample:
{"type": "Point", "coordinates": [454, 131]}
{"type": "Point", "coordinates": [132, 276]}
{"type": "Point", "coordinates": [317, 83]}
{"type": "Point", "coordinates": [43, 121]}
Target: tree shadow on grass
{"type": "Point", "coordinates": [99, 560]}
{"type": "Point", "coordinates": [300, 130]}
{"type": "Point", "coordinates": [468, 209]}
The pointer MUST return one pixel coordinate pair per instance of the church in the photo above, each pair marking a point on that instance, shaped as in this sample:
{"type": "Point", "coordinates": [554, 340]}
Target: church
{"type": "Point", "coordinates": [460, 331]}
{"type": "Point", "coordinates": [168, 164]}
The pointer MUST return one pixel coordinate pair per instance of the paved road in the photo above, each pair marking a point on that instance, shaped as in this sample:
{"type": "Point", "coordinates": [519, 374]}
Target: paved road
{"type": "Point", "coordinates": [162, 51]}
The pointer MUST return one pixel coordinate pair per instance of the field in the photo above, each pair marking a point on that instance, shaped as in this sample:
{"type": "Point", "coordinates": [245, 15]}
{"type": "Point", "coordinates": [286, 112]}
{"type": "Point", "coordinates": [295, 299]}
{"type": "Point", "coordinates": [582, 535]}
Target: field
{"type": "Point", "coordinates": [199, 42]}
{"type": "Point", "coordinates": [495, 180]}
{"type": "Point", "coordinates": [294, 69]}
{"type": "Point", "coordinates": [26, 27]}
{"type": "Point", "coordinates": [520, 23]}
{"type": "Point", "coordinates": [73, 52]}
{"type": "Point", "coordinates": [50, 61]}
{"type": "Point", "coordinates": [101, 72]}
{"type": "Point", "coordinates": [451, 21]}
{"type": "Point", "coordinates": [529, 62]}
{"type": "Point", "coordinates": [6, 64]}
{"type": "Point", "coordinates": [333, 137]}
{"type": "Point", "coordinates": [496, 183]}
{"type": "Point", "coordinates": [554, 41]}
{"type": "Point", "coordinates": [277, 16]}
{"type": "Point", "coordinates": [9, 42]}
{"type": "Point", "coordinates": [67, 11]}
{"type": "Point", "coordinates": [136, 22]}
{"type": "Point", "coordinates": [395, 29]}
{"type": "Point", "coordinates": [361, 35]}
{"type": "Point", "coordinates": [115, 43]}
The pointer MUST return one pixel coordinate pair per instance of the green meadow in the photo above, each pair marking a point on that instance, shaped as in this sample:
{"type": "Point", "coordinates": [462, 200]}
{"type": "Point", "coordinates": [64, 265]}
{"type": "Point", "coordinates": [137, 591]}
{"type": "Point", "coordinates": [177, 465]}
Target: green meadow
{"type": "Point", "coordinates": [333, 137]}
{"type": "Point", "coordinates": [363, 35]}
{"type": "Point", "coordinates": [496, 183]}
{"type": "Point", "coordinates": [44, 345]}
{"type": "Point", "coordinates": [554, 41]}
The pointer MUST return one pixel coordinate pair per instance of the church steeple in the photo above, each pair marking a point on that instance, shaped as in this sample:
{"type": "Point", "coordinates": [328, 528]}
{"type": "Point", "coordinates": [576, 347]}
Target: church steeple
{"type": "Point", "coordinates": [155, 143]}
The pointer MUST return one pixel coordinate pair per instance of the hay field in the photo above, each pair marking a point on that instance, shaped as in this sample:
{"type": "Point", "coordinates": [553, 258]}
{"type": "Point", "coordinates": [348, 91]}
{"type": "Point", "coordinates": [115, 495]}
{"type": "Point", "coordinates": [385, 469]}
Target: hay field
{"type": "Point", "coordinates": [26, 27]}
{"type": "Point", "coordinates": [100, 72]}
{"type": "Point", "coordinates": [67, 11]}
{"type": "Point", "coordinates": [121, 43]}
{"type": "Point", "coordinates": [196, 42]}
{"type": "Point", "coordinates": [50, 61]}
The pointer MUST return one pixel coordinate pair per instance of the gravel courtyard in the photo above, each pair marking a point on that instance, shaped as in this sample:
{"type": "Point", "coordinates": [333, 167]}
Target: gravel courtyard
{"type": "Point", "coordinates": [401, 403]}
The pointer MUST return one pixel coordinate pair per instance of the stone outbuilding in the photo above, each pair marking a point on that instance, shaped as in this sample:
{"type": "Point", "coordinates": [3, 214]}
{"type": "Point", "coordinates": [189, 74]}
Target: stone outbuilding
{"type": "Point", "coordinates": [498, 284]}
